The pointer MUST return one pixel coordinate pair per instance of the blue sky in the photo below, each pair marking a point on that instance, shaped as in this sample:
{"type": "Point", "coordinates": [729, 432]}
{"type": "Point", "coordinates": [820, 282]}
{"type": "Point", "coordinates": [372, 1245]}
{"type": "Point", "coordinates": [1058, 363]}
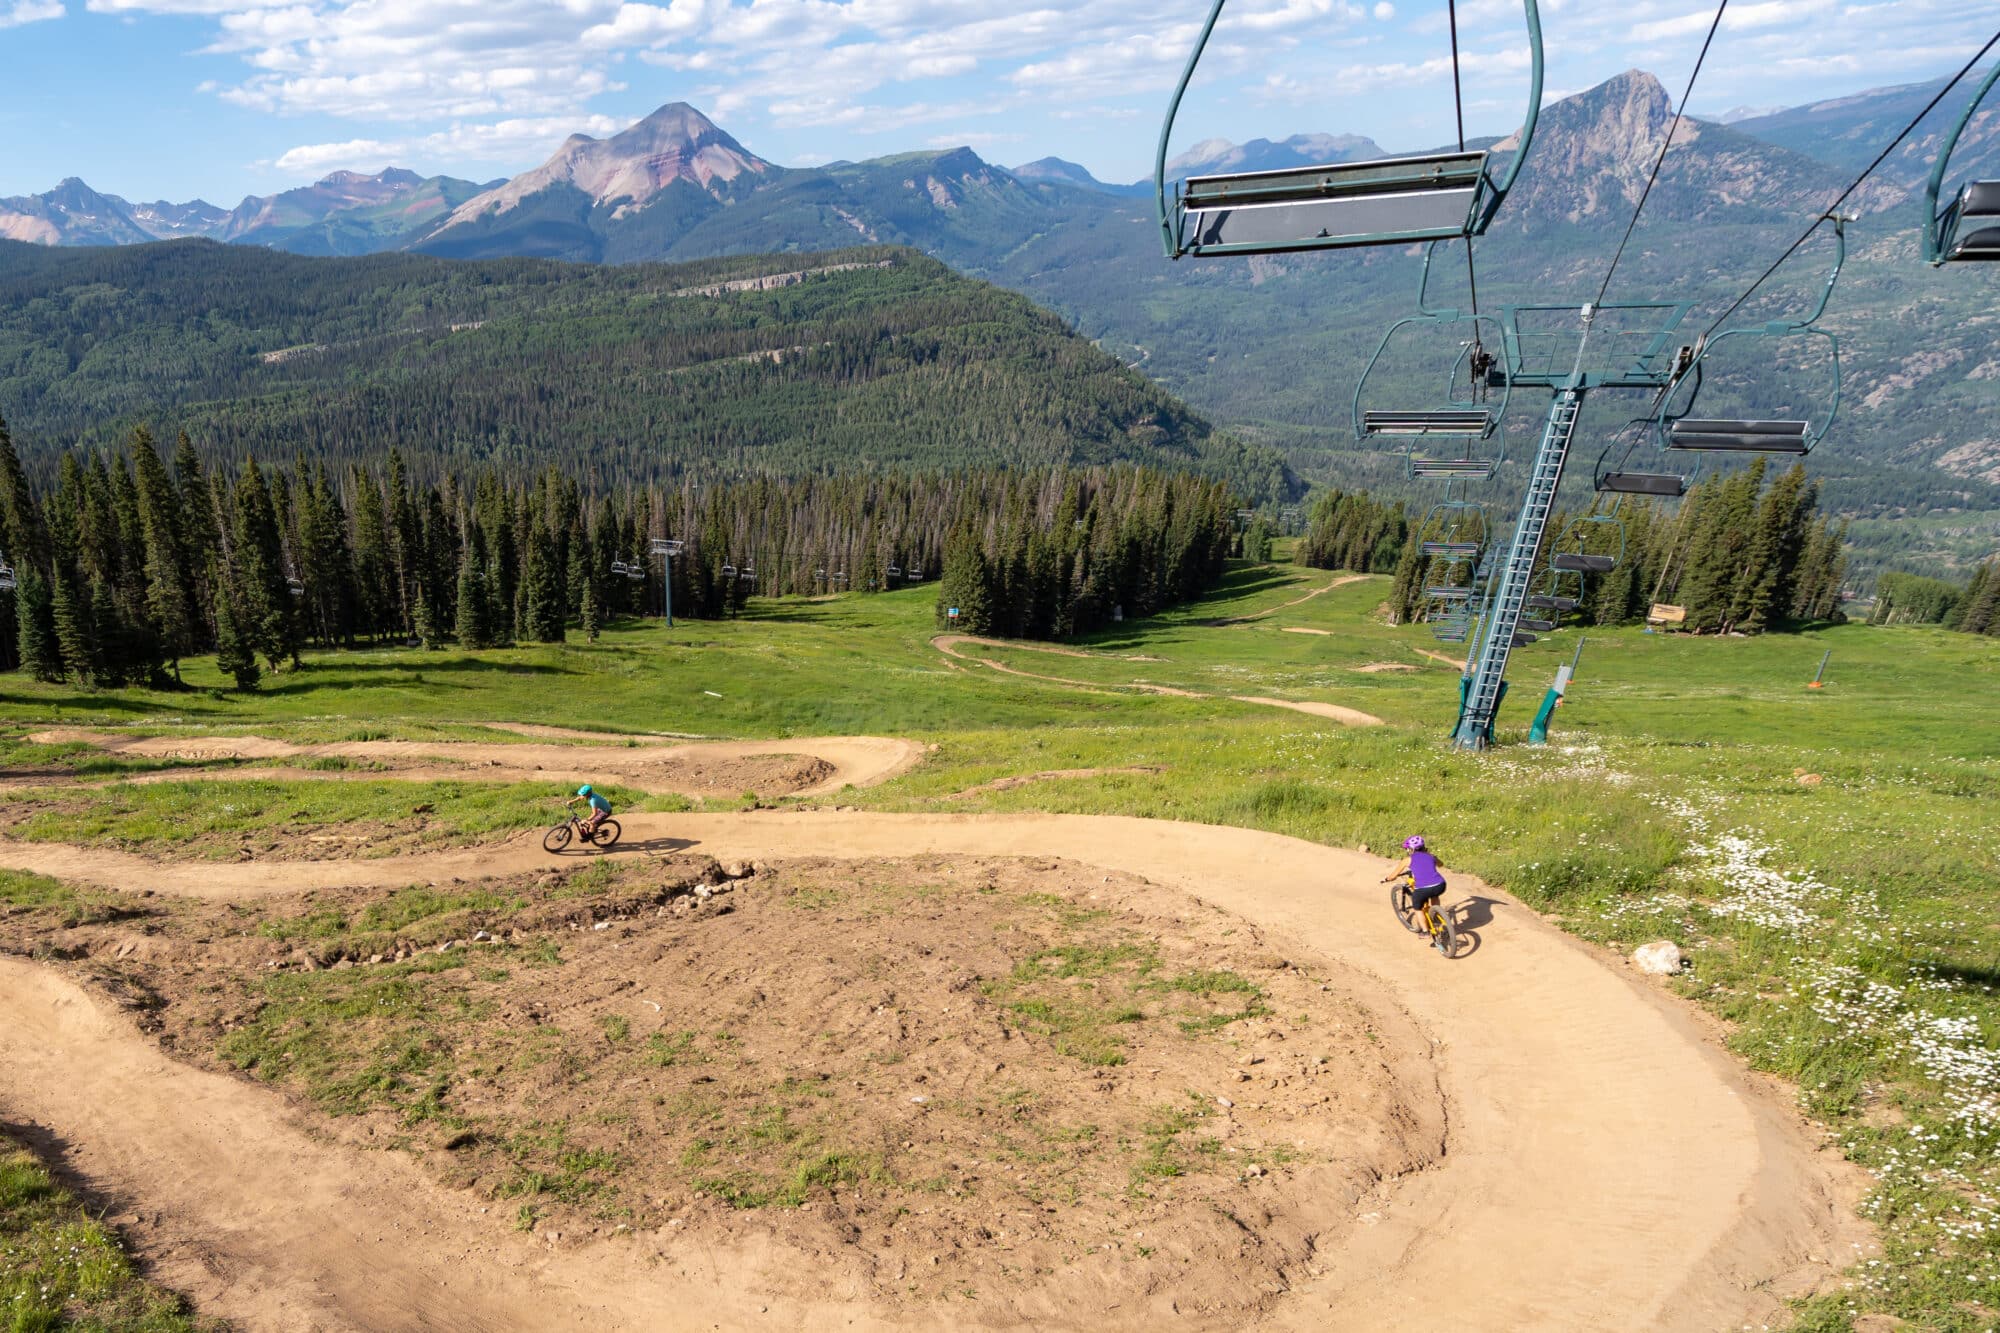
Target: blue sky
{"type": "Point", "coordinates": [222, 98]}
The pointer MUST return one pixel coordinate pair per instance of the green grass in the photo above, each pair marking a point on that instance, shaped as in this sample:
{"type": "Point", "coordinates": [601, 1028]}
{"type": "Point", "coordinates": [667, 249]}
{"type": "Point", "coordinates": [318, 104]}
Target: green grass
{"type": "Point", "coordinates": [1667, 749]}
{"type": "Point", "coordinates": [62, 903]}
{"type": "Point", "coordinates": [60, 1268]}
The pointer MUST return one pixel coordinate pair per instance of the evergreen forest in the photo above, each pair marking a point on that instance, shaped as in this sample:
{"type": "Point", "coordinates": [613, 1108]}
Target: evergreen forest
{"type": "Point", "coordinates": [128, 562]}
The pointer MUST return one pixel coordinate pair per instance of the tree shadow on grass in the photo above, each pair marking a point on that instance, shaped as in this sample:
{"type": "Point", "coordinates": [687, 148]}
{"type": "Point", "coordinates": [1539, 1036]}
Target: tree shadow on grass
{"type": "Point", "coordinates": [1965, 974]}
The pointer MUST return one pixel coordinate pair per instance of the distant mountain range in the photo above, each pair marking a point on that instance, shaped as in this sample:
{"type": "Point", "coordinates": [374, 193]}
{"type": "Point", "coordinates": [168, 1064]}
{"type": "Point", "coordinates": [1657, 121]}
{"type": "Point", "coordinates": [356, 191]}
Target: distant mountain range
{"type": "Point", "coordinates": [1267, 348]}
{"type": "Point", "coordinates": [682, 169]}
{"type": "Point", "coordinates": [344, 214]}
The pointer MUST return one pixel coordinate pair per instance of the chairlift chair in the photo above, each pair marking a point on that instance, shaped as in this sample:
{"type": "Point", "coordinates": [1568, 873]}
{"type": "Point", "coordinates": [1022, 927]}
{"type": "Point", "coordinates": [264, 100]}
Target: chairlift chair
{"type": "Point", "coordinates": [895, 571]}
{"type": "Point", "coordinates": [729, 571]}
{"type": "Point", "coordinates": [619, 569]}
{"type": "Point", "coordinates": [295, 586]}
{"type": "Point", "coordinates": [7, 579]}
{"type": "Point", "coordinates": [1459, 527]}
{"type": "Point", "coordinates": [1598, 542]}
{"type": "Point", "coordinates": [1390, 201]}
{"type": "Point", "coordinates": [1751, 435]}
{"type": "Point", "coordinates": [1467, 412]}
{"type": "Point", "coordinates": [1622, 478]}
{"type": "Point", "coordinates": [1968, 228]}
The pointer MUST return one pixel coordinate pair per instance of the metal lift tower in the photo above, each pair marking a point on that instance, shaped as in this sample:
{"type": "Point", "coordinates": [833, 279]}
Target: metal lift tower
{"type": "Point", "coordinates": [1621, 346]}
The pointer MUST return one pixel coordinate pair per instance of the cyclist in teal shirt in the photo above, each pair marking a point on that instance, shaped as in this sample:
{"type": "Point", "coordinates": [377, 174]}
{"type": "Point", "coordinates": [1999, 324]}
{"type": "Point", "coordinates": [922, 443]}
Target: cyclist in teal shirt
{"type": "Point", "coordinates": [600, 809]}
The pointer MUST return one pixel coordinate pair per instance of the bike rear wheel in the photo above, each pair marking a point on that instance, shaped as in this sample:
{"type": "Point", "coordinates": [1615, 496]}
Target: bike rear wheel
{"type": "Point", "coordinates": [1446, 938]}
{"type": "Point", "coordinates": [606, 833]}
{"type": "Point", "coordinates": [557, 838]}
{"type": "Point", "coordinates": [1404, 908]}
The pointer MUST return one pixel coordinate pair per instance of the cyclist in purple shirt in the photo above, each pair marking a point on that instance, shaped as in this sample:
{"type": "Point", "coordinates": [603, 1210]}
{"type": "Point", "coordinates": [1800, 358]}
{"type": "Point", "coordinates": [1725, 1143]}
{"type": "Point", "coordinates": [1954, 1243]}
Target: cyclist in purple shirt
{"type": "Point", "coordinates": [1426, 884]}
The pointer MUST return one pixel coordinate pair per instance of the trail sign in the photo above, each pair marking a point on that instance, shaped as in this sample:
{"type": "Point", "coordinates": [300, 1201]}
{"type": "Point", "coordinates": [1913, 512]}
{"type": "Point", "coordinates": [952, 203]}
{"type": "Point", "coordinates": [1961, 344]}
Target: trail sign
{"type": "Point", "coordinates": [1664, 613]}
{"type": "Point", "coordinates": [952, 613]}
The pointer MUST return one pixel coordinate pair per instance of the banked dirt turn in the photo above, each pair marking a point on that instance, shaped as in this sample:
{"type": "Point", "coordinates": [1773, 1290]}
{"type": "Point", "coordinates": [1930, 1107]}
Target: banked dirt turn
{"type": "Point", "coordinates": [1606, 1164]}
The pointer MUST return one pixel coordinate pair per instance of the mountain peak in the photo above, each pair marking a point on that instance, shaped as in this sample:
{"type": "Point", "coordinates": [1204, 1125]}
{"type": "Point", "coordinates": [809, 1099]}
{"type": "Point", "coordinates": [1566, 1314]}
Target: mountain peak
{"type": "Point", "coordinates": [675, 143]}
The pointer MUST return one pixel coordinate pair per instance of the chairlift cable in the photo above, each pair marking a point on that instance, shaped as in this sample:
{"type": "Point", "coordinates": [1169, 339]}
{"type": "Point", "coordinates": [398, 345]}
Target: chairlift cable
{"type": "Point", "coordinates": [1458, 108]}
{"type": "Point", "coordinates": [1868, 171]}
{"type": "Point", "coordinates": [1673, 129]}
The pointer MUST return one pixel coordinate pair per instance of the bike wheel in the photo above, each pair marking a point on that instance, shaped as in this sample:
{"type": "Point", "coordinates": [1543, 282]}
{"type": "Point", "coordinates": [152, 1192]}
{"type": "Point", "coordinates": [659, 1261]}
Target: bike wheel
{"type": "Point", "coordinates": [557, 838]}
{"type": "Point", "coordinates": [1405, 910]}
{"type": "Point", "coordinates": [607, 833]}
{"type": "Point", "coordinates": [1446, 938]}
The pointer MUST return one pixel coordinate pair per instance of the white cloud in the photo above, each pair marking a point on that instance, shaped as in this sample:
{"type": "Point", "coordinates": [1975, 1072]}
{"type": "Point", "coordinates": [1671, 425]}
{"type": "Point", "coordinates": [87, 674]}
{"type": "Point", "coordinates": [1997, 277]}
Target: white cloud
{"type": "Point", "coordinates": [505, 141]}
{"type": "Point", "coordinates": [21, 12]}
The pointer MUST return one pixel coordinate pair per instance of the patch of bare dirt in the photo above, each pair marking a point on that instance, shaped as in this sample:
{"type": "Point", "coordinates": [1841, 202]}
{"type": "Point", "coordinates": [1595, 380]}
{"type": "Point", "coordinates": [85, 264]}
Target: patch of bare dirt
{"type": "Point", "coordinates": [927, 1082]}
{"type": "Point", "coordinates": [1374, 668]}
{"type": "Point", "coordinates": [805, 767]}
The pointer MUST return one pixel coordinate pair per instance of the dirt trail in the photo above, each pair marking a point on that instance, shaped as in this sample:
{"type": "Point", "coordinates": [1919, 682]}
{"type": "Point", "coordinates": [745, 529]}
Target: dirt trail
{"type": "Point", "coordinates": [1456, 663]}
{"type": "Point", "coordinates": [690, 768]}
{"type": "Point", "coordinates": [1340, 582]}
{"type": "Point", "coordinates": [1609, 1165]}
{"type": "Point", "coordinates": [949, 645]}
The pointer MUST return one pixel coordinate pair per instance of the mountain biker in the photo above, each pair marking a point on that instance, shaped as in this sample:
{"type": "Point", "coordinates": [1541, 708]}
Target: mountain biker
{"type": "Point", "coordinates": [1426, 884]}
{"type": "Point", "coordinates": [600, 809]}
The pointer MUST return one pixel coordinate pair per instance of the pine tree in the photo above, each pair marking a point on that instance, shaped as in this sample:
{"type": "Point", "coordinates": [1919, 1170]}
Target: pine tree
{"type": "Point", "coordinates": [268, 619]}
{"type": "Point", "coordinates": [473, 627]}
{"type": "Point", "coordinates": [169, 590]}
{"type": "Point", "coordinates": [593, 618]}
{"type": "Point", "coordinates": [41, 652]}
{"type": "Point", "coordinates": [70, 608]}
{"type": "Point", "coordinates": [234, 655]}
{"type": "Point", "coordinates": [541, 583]}
{"type": "Point", "coordinates": [1982, 603]}
{"type": "Point", "coordinates": [425, 624]}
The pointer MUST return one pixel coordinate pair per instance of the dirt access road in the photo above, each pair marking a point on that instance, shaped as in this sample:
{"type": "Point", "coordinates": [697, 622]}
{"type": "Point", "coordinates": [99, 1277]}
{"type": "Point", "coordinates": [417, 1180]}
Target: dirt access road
{"type": "Point", "coordinates": [950, 645]}
{"type": "Point", "coordinates": [815, 767]}
{"type": "Point", "coordinates": [1608, 1165]}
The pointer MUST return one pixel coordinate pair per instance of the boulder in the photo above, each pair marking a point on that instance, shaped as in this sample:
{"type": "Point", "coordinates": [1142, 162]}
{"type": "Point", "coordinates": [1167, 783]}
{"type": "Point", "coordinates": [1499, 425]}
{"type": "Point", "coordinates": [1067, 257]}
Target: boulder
{"type": "Point", "coordinates": [1661, 958]}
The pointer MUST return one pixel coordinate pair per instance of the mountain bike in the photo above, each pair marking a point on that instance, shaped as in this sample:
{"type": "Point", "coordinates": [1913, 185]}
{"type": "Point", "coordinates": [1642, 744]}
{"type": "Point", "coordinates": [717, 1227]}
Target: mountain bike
{"type": "Point", "coordinates": [1433, 920]}
{"type": "Point", "coordinates": [604, 835]}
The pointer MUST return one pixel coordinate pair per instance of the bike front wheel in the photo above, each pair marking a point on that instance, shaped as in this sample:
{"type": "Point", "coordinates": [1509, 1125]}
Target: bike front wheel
{"type": "Point", "coordinates": [1404, 908]}
{"type": "Point", "coordinates": [557, 838]}
{"type": "Point", "coordinates": [606, 833]}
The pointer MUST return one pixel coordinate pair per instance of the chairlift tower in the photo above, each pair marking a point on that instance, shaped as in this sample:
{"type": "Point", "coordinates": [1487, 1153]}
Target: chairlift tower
{"type": "Point", "coordinates": [667, 548]}
{"type": "Point", "coordinates": [1626, 357]}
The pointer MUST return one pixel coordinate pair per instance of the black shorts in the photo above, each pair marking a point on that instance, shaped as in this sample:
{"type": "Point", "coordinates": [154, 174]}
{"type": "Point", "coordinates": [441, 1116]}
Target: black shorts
{"type": "Point", "coordinates": [1422, 898]}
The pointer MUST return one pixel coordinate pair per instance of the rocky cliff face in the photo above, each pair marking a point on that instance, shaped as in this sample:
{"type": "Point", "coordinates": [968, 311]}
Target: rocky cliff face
{"type": "Point", "coordinates": [675, 143]}
{"type": "Point", "coordinates": [1593, 153]}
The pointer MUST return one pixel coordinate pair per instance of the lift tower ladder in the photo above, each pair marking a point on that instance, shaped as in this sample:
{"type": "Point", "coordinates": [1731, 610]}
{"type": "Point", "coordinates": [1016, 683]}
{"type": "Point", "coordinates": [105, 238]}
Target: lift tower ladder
{"type": "Point", "coordinates": [1624, 358]}
{"type": "Point", "coordinates": [1517, 567]}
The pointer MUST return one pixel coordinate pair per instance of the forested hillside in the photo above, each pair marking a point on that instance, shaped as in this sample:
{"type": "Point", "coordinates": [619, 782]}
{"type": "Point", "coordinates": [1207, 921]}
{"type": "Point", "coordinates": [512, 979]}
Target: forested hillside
{"type": "Point", "coordinates": [779, 365]}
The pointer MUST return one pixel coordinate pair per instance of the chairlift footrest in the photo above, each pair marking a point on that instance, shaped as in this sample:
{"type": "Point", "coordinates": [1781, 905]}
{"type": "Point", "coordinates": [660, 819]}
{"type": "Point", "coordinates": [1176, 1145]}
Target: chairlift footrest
{"type": "Point", "coordinates": [1668, 484]}
{"type": "Point", "coordinates": [1571, 563]}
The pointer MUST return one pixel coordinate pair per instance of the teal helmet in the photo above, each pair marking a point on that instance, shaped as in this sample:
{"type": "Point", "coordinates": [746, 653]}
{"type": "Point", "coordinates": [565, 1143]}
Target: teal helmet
{"type": "Point", "coordinates": [584, 790]}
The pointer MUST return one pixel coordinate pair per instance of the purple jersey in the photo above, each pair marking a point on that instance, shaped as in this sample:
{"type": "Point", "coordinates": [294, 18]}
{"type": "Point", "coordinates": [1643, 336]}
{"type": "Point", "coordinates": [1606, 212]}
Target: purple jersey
{"type": "Point", "coordinates": [1424, 870]}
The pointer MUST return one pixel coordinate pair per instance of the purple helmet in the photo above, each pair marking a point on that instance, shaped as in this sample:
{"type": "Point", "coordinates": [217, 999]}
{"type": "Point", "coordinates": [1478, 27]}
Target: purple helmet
{"type": "Point", "coordinates": [1414, 843]}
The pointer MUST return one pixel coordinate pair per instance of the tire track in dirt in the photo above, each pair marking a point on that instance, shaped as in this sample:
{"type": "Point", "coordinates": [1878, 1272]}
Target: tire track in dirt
{"type": "Point", "coordinates": [949, 645]}
{"type": "Point", "coordinates": [1609, 1164]}
{"type": "Point", "coordinates": [860, 761]}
